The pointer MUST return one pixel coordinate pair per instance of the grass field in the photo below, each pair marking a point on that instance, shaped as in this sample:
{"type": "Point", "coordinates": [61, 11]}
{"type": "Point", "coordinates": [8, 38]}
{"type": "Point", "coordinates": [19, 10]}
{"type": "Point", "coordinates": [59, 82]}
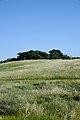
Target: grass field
{"type": "Point", "coordinates": [40, 90]}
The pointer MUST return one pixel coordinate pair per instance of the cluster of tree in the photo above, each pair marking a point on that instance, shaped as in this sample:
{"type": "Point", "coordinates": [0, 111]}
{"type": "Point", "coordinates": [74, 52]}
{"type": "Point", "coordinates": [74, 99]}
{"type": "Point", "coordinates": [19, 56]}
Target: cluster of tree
{"type": "Point", "coordinates": [36, 54]}
{"type": "Point", "coordinates": [75, 57]}
{"type": "Point", "coordinates": [53, 54]}
{"type": "Point", "coordinates": [32, 55]}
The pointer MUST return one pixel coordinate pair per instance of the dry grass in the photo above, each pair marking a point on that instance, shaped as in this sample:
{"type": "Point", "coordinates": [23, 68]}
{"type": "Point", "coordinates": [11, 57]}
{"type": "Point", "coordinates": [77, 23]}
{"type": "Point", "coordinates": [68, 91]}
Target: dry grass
{"type": "Point", "coordinates": [41, 69]}
{"type": "Point", "coordinates": [40, 89]}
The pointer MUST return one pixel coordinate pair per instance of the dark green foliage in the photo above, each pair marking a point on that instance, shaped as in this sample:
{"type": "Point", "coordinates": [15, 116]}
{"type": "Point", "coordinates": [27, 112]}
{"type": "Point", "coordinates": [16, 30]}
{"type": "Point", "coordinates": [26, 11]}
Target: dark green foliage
{"type": "Point", "coordinates": [66, 57]}
{"type": "Point", "coordinates": [32, 55]}
{"type": "Point", "coordinates": [9, 60]}
{"type": "Point", "coordinates": [75, 57]}
{"type": "Point", "coordinates": [55, 54]}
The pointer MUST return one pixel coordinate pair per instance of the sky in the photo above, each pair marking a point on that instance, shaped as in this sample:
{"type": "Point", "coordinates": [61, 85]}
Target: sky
{"type": "Point", "coordinates": [39, 25]}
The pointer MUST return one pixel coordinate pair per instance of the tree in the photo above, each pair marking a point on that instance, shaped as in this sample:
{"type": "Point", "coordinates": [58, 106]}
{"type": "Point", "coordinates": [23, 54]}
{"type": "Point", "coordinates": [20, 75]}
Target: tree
{"type": "Point", "coordinates": [66, 57]}
{"type": "Point", "coordinates": [43, 55]}
{"type": "Point", "coordinates": [32, 55]}
{"type": "Point", "coordinates": [56, 54]}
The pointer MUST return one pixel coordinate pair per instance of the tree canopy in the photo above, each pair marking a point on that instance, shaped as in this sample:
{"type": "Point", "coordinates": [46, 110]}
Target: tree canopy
{"type": "Point", "coordinates": [37, 54]}
{"type": "Point", "coordinates": [32, 55]}
{"type": "Point", "coordinates": [56, 54]}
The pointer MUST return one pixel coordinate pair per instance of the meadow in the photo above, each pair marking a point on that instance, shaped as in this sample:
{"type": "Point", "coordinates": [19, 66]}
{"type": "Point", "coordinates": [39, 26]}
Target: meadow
{"type": "Point", "coordinates": [40, 90]}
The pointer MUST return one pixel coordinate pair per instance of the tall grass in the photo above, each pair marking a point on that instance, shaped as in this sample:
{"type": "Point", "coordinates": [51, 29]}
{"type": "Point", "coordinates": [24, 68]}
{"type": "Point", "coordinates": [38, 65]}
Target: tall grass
{"type": "Point", "coordinates": [56, 100]}
{"type": "Point", "coordinates": [40, 90]}
{"type": "Point", "coordinates": [40, 70]}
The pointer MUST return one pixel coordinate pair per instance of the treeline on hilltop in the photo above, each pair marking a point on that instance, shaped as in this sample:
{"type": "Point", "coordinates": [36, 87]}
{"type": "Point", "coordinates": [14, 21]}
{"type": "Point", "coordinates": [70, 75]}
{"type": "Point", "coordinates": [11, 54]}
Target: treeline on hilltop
{"type": "Point", "coordinates": [36, 54]}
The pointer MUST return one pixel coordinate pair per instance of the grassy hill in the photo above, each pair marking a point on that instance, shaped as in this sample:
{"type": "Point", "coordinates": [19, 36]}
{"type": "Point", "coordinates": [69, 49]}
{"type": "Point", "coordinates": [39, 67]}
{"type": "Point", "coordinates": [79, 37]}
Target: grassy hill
{"type": "Point", "coordinates": [40, 70]}
{"type": "Point", "coordinates": [40, 90]}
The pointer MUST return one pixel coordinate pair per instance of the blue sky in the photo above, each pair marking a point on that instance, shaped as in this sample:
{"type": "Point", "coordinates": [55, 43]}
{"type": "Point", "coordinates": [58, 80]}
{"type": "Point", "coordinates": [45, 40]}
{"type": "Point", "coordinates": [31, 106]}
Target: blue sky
{"type": "Point", "coordinates": [39, 25]}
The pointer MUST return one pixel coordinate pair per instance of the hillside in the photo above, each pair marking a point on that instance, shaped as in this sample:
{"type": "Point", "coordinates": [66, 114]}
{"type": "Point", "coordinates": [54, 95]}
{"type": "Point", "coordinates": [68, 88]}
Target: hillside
{"type": "Point", "coordinates": [40, 90]}
{"type": "Point", "coordinates": [40, 70]}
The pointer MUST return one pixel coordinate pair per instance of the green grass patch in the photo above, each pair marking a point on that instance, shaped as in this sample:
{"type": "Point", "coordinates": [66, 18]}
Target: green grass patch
{"type": "Point", "coordinates": [40, 90]}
